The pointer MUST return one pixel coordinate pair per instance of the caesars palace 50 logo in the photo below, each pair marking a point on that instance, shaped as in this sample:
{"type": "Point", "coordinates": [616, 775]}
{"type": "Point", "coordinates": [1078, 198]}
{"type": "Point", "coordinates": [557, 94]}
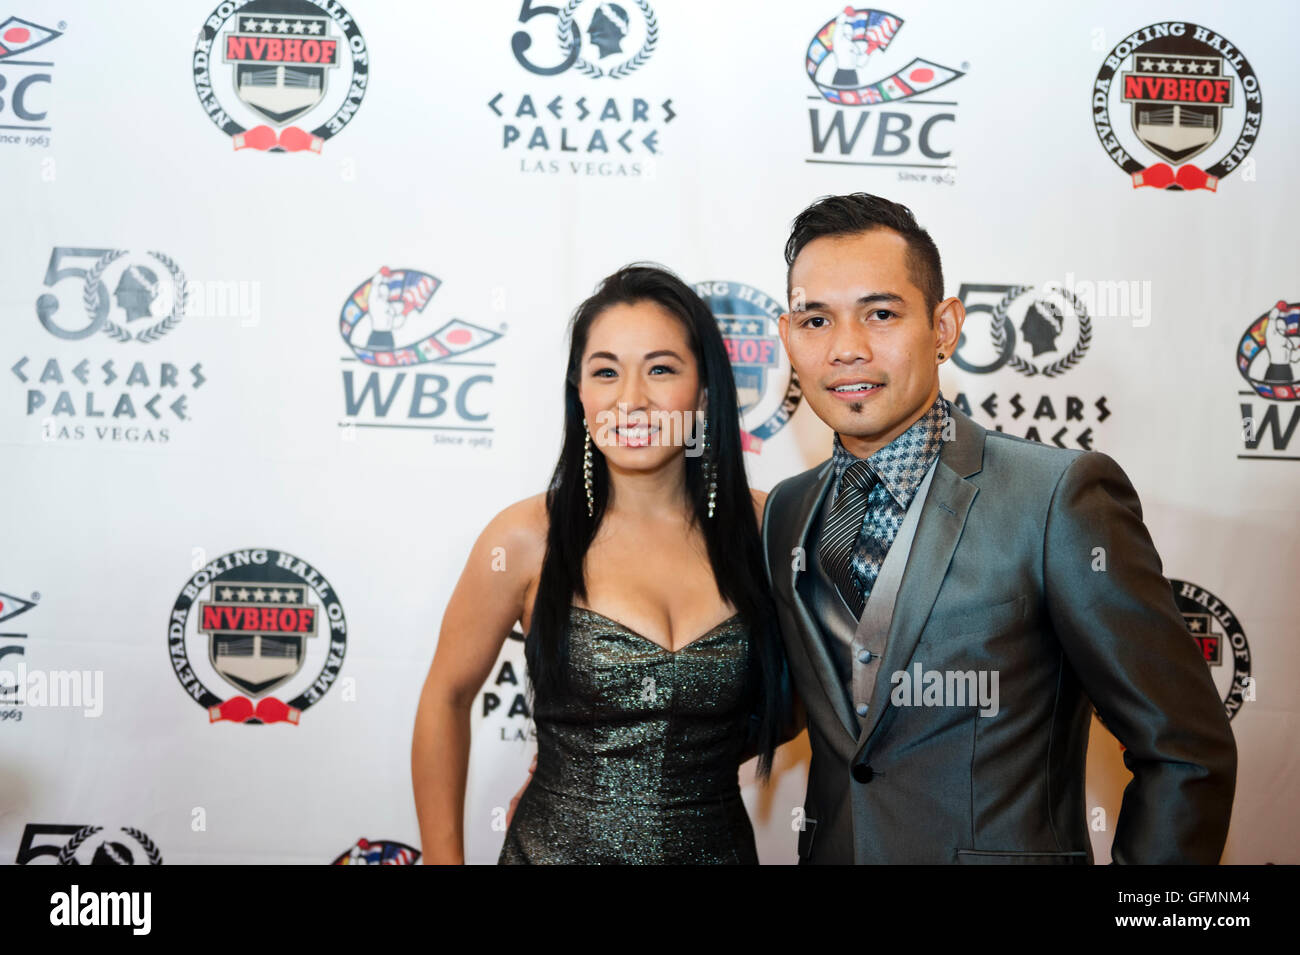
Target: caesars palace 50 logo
{"type": "Point", "coordinates": [1166, 95]}
{"type": "Point", "coordinates": [586, 133]}
{"type": "Point", "coordinates": [267, 70]}
{"type": "Point", "coordinates": [103, 304]}
{"type": "Point", "coordinates": [246, 624]}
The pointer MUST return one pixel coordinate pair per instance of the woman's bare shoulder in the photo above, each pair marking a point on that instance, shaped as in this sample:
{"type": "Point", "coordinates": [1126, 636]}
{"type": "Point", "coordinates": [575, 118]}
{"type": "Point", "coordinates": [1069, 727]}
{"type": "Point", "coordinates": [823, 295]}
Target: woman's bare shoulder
{"type": "Point", "coordinates": [523, 523]}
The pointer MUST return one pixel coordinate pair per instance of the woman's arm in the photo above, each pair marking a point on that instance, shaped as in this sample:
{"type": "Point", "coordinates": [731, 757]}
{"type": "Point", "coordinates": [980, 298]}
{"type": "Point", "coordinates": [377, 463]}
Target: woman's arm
{"type": "Point", "coordinates": [488, 599]}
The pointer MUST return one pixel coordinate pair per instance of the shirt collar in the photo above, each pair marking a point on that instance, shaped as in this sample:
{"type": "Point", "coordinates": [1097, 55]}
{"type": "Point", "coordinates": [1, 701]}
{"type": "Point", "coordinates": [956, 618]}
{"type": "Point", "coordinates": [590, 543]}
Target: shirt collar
{"type": "Point", "coordinates": [902, 464]}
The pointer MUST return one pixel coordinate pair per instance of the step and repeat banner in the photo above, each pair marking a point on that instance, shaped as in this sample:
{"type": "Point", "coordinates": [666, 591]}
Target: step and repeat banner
{"type": "Point", "coordinates": [284, 300]}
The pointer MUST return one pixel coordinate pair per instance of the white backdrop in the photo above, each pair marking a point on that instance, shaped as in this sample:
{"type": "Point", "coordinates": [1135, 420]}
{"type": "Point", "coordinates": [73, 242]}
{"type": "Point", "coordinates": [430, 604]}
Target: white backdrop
{"type": "Point", "coordinates": [120, 189]}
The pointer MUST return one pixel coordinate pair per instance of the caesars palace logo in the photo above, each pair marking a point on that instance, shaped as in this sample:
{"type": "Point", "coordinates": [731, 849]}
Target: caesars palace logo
{"type": "Point", "coordinates": [103, 306]}
{"type": "Point", "coordinates": [280, 75]}
{"type": "Point", "coordinates": [569, 129]}
{"type": "Point", "coordinates": [1040, 333]}
{"type": "Point", "coordinates": [257, 636]}
{"type": "Point", "coordinates": [1176, 106]}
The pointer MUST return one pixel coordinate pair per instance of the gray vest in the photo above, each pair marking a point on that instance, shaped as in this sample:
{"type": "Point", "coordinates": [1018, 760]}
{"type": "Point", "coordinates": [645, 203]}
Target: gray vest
{"type": "Point", "coordinates": [857, 646]}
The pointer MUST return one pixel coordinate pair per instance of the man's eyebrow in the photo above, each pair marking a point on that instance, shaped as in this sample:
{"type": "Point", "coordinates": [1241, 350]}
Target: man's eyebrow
{"type": "Point", "coordinates": [871, 298]}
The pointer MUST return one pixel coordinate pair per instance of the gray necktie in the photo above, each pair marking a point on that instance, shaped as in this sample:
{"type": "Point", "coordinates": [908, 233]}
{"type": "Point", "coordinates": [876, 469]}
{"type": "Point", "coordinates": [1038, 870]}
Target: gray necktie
{"type": "Point", "coordinates": [840, 538]}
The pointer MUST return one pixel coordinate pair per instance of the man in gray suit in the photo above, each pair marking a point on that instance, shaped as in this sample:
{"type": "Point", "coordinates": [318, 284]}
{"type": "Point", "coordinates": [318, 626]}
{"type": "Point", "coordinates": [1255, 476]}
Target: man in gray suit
{"type": "Point", "coordinates": [955, 601]}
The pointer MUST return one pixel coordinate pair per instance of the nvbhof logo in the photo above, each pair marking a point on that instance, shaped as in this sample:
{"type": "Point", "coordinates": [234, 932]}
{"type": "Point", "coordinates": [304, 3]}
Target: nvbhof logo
{"type": "Point", "coordinates": [766, 386]}
{"type": "Point", "coordinates": [387, 325]}
{"type": "Point", "coordinates": [1171, 93]}
{"type": "Point", "coordinates": [247, 625]}
{"type": "Point", "coordinates": [280, 75]}
{"type": "Point", "coordinates": [1222, 642]}
{"type": "Point", "coordinates": [379, 852]}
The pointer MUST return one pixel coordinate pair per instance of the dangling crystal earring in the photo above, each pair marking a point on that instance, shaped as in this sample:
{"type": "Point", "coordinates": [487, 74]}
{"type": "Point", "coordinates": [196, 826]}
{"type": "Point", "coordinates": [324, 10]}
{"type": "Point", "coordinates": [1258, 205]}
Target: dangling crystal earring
{"type": "Point", "coordinates": [586, 469]}
{"type": "Point", "coordinates": [710, 474]}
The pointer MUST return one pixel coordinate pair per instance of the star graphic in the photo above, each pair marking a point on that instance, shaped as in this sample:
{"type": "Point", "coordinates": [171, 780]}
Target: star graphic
{"type": "Point", "coordinates": [1179, 66]}
{"type": "Point", "coordinates": [1194, 624]}
{"type": "Point", "coordinates": [259, 594]}
{"type": "Point", "coordinates": [225, 594]}
{"type": "Point", "coordinates": [283, 26]}
{"type": "Point", "coordinates": [266, 26]}
{"type": "Point", "coordinates": [1146, 64]}
{"type": "Point", "coordinates": [243, 593]}
{"type": "Point", "coordinates": [298, 26]}
{"type": "Point", "coordinates": [275, 596]}
{"type": "Point", "coordinates": [314, 27]}
{"type": "Point", "coordinates": [1208, 68]}
{"type": "Point", "coordinates": [1162, 65]}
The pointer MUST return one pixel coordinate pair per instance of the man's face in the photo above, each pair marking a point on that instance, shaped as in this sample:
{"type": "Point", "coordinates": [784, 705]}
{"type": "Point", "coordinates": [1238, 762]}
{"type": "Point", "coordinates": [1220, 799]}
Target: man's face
{"type": "Point", "coordinates": [860, 338]}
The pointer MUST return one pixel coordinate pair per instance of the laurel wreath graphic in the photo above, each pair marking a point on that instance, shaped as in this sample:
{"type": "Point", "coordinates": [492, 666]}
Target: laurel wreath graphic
{"type": "Point", "coordinates": [90, 297]}
{"type": "Point", "coordinates": [68, 853]}
{"type": "Point", "coordinates": [150, 849]}
{"type": "Point", "coordinates": [564, 30]}
{"type": "Point", "coordinates": [1027, 368]}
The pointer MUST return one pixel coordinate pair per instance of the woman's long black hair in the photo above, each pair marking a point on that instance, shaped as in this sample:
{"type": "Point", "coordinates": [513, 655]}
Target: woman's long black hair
{"type": "Point", "coordinates": [731, 535]}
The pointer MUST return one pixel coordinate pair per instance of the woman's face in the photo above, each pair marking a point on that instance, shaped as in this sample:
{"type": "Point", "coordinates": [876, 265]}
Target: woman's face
{"type": "Point", "coordinates": [639, 385]}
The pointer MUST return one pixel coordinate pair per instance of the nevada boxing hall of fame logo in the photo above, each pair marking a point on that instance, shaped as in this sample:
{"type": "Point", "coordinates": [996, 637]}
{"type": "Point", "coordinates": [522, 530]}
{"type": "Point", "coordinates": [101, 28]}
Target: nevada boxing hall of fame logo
{"type": "Point", "coordinates": [1035, 336]}
{"type": "Point", "coordinates": [105, 306]}
{"type": "Point", "coordinates": [1222, 642]}
{"type": "Point", "coordinates": [1177, 107]}
{"type": "Point", "coordinates": [280, 76]}
{"type": "Point", "coordinates": [593, 111]}
{"type": "Point", "coordinates": [766, 387]}
{"type": "Point", "coordinates": [1268, 357]}
{"type": "Point", "coordinates": [25, 79]}
{"type": "Point", "coordinates": [876, 103]}
{"type": "Point", "coordinates": [257, 636]}
{"type": "Point", "coordinates": [414, 374]}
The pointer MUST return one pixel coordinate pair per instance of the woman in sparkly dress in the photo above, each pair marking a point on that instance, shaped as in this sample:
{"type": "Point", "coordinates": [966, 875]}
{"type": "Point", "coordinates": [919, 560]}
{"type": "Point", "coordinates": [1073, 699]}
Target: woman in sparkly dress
{"type": "Point", "coordinates": [653, 655]}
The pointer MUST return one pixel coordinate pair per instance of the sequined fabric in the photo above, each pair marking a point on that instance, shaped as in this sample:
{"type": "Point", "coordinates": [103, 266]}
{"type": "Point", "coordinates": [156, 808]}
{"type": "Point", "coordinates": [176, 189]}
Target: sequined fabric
{"type": "Point", "coordinates": [640, 764]}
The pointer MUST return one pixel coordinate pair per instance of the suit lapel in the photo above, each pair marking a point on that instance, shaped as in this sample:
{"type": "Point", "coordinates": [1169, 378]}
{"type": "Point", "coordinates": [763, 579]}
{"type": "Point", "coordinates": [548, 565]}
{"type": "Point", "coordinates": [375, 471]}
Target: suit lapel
{"type": "Point", "coordinates": [937, 534]}
{"type": "Point", "coordinates": [810, 633]}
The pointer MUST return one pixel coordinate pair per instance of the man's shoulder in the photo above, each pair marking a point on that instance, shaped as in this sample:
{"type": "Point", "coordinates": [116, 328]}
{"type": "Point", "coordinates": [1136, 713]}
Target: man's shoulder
{"type": "Point", "coordinates": [1026, 461]}
{"type": "Point", "coordinates": [792, 489]}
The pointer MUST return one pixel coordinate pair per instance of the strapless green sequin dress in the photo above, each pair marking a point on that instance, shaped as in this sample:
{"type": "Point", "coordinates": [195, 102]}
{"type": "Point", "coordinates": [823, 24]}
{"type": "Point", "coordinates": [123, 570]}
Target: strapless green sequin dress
{"type": "Point", "coordinates": [641, 764]}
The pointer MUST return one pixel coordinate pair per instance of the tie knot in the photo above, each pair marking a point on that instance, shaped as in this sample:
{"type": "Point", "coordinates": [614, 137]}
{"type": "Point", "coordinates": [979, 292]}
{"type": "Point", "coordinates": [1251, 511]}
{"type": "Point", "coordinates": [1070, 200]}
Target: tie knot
{"type": "Point", "coordinates": [859, 475]}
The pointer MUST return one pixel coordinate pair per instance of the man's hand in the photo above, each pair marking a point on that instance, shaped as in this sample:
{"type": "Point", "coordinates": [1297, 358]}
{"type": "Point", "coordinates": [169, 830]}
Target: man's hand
{"type": "Point", "coordinates": [510, 813]}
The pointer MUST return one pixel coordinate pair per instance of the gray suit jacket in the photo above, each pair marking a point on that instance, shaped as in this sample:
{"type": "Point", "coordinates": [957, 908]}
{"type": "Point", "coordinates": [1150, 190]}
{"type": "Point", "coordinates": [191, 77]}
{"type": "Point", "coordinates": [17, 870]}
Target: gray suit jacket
{"type": "Point", "coordinates": [1002, 576]}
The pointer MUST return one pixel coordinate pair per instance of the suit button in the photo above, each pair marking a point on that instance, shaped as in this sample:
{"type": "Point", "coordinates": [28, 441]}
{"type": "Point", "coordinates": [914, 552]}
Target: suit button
{"type": "Point", "coordinates": [863, 709]}
{"type": "Point", "coordinates": [864, 656]}
{"type": "Point", "coordinates": [863, 773]}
